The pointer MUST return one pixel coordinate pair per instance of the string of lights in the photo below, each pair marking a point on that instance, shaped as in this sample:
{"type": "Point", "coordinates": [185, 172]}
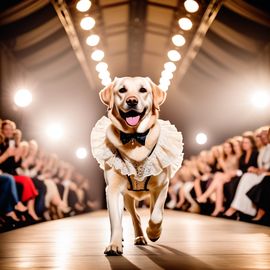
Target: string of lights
{"type": "Point", "coordinates": [88, 23]}
{"type": "Point", "coordinates": [178, 40]}
{"type": "Point", "coordinates": [260, 98]}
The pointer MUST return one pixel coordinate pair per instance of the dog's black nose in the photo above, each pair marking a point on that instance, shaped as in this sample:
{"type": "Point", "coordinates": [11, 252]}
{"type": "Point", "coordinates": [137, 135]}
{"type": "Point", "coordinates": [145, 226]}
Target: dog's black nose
{"type": "Point", "coordinates": [132, 101]}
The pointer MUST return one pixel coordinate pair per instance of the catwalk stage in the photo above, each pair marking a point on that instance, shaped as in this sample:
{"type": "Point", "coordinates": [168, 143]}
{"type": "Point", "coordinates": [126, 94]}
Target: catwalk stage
{"type": "Point", "coordinates": [188, 241]}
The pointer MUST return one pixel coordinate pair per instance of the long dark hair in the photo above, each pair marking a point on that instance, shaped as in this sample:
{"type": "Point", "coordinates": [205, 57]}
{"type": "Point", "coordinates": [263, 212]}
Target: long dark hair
{"type": "Point", "coordinates": [231, 144]}
{"type": "Point", "coordinates": [252, 141]}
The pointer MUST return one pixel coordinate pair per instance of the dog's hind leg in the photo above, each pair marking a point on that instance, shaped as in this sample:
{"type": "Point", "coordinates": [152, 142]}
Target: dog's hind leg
{"type": "Point", "coordinates": [130, 206]}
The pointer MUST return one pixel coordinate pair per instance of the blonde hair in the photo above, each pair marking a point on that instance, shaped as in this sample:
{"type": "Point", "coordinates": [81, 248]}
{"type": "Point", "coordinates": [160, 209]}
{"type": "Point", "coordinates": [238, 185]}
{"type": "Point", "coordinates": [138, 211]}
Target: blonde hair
{"type": "Point", "coordinates": [8, 122]}
{"type": "Point", "coordinates": [261, 129]}
{"type": "Point", "coordinates": [248, 133]}
{"type": "Point", "coordinates": [24, 143]}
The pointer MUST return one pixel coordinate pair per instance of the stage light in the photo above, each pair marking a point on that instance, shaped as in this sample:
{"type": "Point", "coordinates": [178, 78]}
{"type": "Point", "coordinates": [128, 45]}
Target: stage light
{"type": "Point", "coordinates": [201, 138]}
{"type": "Point", "coordinates": [164, 81]}
{"type": "Point", "coordinates": [55, 131]}
{"type": "Point", "coordinates": [97, 55]}
{"type": "Point", "coordinates": [185, 23]}
{"type": "Point", "coordinates": [92, 40]}
{"type": "Point", "coordinates": [104, 75]}
{"type": "Point", "coordinates": [83, 5]}
{"type": "Point", "coordinates": [81, 153]}
{"type": "Point", "coordinates": [178, 40]}
{"type": "Point", "coordinates": [102, 66]}
{"type": "Point", "coordinates": [191, 6]}
{"type": "Point", "coordinates": [166, 74]}
{"type": "Point", "coordinates": [87, 23]}
{"type": "Point", "coordinates": [106, 81]}
{"type": "Point", "coordinates": [174, 55]}
{"type": "Point", "coordinates": [170, 66]}
{"type": "Point", "coordinates": [260, 99]}
{"type": "Point", "coordinates": [23, 98]}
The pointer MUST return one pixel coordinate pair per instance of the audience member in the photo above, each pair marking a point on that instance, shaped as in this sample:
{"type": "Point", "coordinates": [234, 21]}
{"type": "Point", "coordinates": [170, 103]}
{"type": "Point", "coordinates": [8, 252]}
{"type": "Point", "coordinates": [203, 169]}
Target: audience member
{"type": "Point", "coordinates": [234, 177]}
{"type": "Point", "coordinates": [35, 186]}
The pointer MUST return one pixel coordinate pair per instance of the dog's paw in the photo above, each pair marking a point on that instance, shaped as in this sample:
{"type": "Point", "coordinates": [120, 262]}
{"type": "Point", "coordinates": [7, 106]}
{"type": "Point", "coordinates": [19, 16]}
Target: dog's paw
{"type": "Point", "coordinates": [140, 241]}
{"type": "Point", "coordinates": [153, 231]}
{"type": "Point", "coordinates": [113, 250]}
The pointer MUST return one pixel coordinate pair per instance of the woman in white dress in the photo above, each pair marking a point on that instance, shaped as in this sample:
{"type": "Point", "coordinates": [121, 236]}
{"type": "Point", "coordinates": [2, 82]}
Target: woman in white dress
{"type": "Point", "coordinates": [229, 164]}
{"type": "Point", "coordinates": [241, 201]}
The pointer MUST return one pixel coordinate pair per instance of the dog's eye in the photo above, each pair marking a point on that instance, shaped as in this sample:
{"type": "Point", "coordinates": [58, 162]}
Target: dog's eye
{"type": "Point", "coordinates": [142, 90]}
{"type": "Point", "coordinates": [123, 90]}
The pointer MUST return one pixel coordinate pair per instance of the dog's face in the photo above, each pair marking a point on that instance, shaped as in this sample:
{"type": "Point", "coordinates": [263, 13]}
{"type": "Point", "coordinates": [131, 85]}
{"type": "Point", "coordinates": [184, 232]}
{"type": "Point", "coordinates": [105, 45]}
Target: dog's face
{"type": "Point", "coordinates": [133, 103]}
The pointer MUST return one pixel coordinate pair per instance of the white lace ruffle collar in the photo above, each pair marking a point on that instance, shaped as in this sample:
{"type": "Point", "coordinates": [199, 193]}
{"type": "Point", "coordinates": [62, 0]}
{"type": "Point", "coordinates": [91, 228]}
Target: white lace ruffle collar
{"type": "Point", "coordinates": [168, 152]}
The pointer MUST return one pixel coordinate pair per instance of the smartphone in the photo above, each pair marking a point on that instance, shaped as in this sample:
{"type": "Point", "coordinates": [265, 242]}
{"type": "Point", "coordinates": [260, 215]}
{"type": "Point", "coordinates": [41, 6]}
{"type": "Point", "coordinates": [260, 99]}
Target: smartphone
{"type": "Point", "coordinates": [11, 143]}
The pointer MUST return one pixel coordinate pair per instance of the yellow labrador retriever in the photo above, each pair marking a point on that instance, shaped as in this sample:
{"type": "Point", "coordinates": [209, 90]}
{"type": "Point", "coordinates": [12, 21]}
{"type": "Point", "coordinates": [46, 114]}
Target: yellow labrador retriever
{"type": "Point", "coordinates": [139, 155]}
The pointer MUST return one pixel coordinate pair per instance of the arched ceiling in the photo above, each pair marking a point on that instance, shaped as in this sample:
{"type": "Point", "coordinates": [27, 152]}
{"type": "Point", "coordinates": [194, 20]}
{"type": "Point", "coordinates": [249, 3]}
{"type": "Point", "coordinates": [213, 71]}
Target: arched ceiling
{"type": "Point", "coordinates": [135, 35]}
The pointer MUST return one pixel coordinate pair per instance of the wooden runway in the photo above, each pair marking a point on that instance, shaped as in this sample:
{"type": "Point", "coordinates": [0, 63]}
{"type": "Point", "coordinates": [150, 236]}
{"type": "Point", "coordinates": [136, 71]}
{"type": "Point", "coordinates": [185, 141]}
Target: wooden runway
{"type": "Point", "coordinates": [188, 241]}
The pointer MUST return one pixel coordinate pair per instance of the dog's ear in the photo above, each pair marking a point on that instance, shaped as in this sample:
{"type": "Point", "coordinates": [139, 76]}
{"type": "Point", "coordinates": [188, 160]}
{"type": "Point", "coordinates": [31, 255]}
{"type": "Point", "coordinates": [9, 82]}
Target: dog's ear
{"type": "Point", "coordinates": [106, 95]}
{"type": "Point", "coordinates": [159, 95]}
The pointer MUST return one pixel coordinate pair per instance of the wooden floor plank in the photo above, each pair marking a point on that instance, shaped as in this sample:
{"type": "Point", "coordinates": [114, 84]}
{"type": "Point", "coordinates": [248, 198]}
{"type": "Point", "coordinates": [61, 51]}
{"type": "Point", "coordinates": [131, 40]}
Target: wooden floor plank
{"type": "Point", "coordinates": [188, 241]}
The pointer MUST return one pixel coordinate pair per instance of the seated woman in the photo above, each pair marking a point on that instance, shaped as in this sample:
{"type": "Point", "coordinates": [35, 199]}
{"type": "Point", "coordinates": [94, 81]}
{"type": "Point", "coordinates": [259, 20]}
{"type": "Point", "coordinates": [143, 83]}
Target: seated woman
{"type": "Point", "coordinates": [83, 193]}
{"type": "Point", "coordinates": [70, 196]}
{"type": "Point", "coordinates": [255, 175]}
{"type": "Point", "coordinates": [47, 170]}
{"type": "Point", "coordinates": [229, 164]}
{"type": "Point", "coordinates": [259, 195]}
{"type": "Point", "coordinates": [247, 160]}
{"type": "Point", "coordinates": [27, 167]}
{"type": "Point", "coordinates": [9, 165]}
{"type": "Point", "coordinates": [9, 200]}
{"type": "Point", "coordinates": [230, 187]}
{"type": "Point", "coordinates": [208, 166]}
{"type": "Point", "coordinates": [173, 190]}
{"type": "Point", "coordinates": [188, 173]}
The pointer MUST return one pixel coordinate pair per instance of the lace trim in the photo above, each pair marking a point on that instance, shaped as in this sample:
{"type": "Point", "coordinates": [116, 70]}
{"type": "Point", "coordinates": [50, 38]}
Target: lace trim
{"type": "Point", "coordinates": [167, 153]}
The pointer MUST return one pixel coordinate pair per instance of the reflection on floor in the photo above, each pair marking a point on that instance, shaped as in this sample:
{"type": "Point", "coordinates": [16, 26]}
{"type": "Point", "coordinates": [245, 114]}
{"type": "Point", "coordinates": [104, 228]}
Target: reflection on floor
{"type": "Point", "coordinates": [188, 241]}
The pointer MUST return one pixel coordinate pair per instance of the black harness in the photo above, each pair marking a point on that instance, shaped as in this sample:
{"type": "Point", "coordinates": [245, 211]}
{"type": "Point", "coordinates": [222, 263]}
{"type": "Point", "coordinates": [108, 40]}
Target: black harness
{"type": "Point", "coordinates": [138, 184]}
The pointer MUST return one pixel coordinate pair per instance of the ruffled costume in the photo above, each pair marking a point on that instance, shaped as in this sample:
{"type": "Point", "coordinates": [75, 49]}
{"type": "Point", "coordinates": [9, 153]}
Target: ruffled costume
{"type": "Point", "coordinates": [168, 152]}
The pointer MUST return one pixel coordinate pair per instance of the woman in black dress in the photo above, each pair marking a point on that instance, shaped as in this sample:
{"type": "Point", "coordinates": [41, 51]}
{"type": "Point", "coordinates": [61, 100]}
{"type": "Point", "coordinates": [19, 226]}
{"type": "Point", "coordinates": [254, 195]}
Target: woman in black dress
{"type": "Point", "coordinates": [259, 195]}
{"type": "Point", "coordinates": [247, 159]}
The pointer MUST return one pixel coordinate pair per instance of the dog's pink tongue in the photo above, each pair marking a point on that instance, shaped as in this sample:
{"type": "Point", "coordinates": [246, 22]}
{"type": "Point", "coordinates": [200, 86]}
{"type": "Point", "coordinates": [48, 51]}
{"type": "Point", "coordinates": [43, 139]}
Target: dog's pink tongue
{"type": "Point", "coordinates": [133, 121]}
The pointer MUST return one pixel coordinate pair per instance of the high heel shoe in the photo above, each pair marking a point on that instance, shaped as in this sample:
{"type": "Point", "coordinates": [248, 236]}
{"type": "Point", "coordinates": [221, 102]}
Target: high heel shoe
{"type": "Point", "coordinates": [30, 220]}
{"type": "Point", "coordinates": [201, 203]}
{"type": "Point", "coordinates": [218, 213]}
{"type": "Point", "coordinates": [258, 219]}
{"type": "Point", "coordinates": [63, 211]}
{"type": "Point", "coordinates": [21, 214]}
{"type": "Point", "coordinates": [261, 221]}
{"type": "Point", "coordinates": [234, 216]}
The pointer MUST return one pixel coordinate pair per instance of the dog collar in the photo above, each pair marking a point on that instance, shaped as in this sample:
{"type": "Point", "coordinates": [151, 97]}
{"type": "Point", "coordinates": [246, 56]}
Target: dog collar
{"type": "Point", "coordinates": [139, 137]}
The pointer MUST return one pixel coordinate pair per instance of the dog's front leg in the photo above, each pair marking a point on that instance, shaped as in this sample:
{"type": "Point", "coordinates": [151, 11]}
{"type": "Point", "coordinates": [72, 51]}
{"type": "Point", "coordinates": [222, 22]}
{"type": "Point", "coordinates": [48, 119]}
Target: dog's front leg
{"type": "Point", "coordinates": [158, 198]}
{"type": "Point", "coordinates": [114, 189]}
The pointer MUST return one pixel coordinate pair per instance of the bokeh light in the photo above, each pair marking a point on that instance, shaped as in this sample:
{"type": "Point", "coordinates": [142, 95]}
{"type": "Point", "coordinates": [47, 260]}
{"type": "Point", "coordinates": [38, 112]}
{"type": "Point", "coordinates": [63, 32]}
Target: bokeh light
{"type": "Point", "coordinates": [23, 98]}
{"type": "Point", "coordinates": [201, 138]}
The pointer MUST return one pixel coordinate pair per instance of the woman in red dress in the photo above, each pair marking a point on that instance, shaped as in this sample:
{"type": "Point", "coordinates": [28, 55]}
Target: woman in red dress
{"type": "Point", "coordinates": [9, 165]}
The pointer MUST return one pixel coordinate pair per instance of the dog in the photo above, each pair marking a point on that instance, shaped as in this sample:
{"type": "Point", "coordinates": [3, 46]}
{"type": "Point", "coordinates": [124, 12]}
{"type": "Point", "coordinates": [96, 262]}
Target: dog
{"type": "Point", "coordinates": [139, 154]}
